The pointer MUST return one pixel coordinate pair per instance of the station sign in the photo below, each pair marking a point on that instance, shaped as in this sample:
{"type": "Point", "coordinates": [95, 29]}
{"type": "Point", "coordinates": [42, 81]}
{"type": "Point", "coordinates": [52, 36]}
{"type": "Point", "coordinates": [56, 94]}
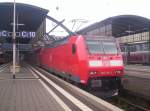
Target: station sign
{"type": "Point", "coordinates": [22, 34]}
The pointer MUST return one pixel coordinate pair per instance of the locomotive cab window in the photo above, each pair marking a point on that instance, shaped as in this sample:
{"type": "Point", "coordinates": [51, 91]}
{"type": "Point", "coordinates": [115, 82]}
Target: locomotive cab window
{"type": "Point", "coordinates": [102, 47]}
{"type": "Point", "coordinates": [110, 47]}
{"type": "Point", "coordinates": [73, 48]}
{"type": "Point", "coordinates": [95, 47]}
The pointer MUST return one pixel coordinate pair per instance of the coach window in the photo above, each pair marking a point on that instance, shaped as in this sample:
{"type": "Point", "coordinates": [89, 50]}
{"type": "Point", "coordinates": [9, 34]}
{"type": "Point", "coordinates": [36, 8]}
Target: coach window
{"type": "Point", "coordinates": [145, 46]}
{"type": "Point", "coordinates": [141, 48]}
{"type": "Point", "coordinates": [73, 48]}
{"type": "Point", "coordinates": [138, 47]}
{"type": "Point", "coordinates": [132, 48]}
{"type": "Point", "coordinates": [122, 48]}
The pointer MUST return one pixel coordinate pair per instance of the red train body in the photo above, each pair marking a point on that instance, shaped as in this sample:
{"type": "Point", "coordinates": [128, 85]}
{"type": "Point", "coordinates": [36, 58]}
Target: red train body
{"type": "Point", "coordinates": [93, 61]}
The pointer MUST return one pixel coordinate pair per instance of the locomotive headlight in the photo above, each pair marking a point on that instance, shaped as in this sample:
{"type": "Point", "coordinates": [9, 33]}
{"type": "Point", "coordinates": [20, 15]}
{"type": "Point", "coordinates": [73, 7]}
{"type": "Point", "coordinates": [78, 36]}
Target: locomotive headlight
{"type": "Point", "coordinates": [118, 71]}
{"type": "Point", "coordinates": [116, 63]}
{"type": "Point", "coordinates": [92, 72]}
{"type": "Point", "coordinates": [95, 63]}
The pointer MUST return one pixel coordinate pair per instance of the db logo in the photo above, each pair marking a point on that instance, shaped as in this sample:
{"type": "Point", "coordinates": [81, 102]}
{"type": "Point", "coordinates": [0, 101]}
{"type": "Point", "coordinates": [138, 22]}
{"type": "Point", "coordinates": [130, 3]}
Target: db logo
{"type": "Point", "coordinates": [106, 63]}
{"type": "Point", "coordinates": [104, 58]}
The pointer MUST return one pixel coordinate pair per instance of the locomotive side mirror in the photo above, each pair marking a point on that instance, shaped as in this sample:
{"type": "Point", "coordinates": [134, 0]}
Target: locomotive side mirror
{"type": "Point", "coordinates": [73, 48]}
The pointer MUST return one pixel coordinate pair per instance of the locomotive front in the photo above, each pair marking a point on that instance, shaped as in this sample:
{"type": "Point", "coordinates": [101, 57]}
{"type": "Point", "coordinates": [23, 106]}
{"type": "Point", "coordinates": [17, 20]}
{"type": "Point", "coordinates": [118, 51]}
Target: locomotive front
{"type": "Point", "coordinates": [105, 63]}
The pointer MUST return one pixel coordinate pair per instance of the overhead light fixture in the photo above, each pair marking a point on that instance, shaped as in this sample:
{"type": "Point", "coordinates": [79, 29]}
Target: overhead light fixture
{"type": "Point", "coordinates": [17, 24]}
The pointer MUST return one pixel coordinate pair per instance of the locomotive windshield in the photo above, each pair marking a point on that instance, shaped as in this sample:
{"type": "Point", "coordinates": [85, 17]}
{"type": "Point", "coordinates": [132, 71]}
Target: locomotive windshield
{"type": "Point", "coordinates": [95, 47]}
{"type": "Point", "coordinates": [110, 47]}
{"type": "Point", "coordinates": [101, 47]}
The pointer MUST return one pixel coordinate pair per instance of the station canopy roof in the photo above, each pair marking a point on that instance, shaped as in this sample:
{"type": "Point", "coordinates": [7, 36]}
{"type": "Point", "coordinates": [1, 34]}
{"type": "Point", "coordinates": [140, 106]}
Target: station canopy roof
{"type": "Point", "coordinates": [122, 25]}
{"type": "Point", "coordinates": [28, 18]}
{"type": "Point", "coordinates": [128, 24]}
{"type": "Point", "coordinates": [28, 15]}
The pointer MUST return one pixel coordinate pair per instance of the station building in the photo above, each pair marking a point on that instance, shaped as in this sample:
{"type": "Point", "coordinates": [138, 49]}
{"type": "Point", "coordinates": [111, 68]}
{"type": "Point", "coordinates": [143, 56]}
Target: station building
{"type": "Point", "coordinates": [30, 23]}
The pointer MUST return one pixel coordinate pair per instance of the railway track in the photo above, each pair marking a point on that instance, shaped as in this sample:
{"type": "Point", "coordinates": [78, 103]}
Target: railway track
{"type": "Point", "coordinates": [126, 104]}
{"type": "Point", "coordinates": [127, 101]}
{"type": "Point", "coordinates": [130, 106]}
{"type": "Point", "coordinates": [134, 96]}
{"type": "Point", "coordinates": [138, 72]}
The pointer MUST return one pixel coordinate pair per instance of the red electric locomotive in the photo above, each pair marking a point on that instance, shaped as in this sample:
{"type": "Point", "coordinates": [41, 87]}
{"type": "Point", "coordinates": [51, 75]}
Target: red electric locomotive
{"type": "Point", "coordinates": [88, 60]}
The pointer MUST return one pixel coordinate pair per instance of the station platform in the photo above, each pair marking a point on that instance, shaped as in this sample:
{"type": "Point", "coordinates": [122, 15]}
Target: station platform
{"type": "Point", "coordinates": [137, 80]}
{"type": "Point", "coordinates": [138, 71]}
{"type": "Point", "coordinates": [31, 90]}
{"type": "Point", "coordinates": [25, 93]}
{"type": "Point", "coordinates": [138, 67]}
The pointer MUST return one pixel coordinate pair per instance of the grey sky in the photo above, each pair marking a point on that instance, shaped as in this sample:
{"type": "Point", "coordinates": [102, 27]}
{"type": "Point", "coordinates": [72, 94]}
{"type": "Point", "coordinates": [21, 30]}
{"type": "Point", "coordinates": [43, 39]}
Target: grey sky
{"type": "Point", "coordinates": [90, 10]}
